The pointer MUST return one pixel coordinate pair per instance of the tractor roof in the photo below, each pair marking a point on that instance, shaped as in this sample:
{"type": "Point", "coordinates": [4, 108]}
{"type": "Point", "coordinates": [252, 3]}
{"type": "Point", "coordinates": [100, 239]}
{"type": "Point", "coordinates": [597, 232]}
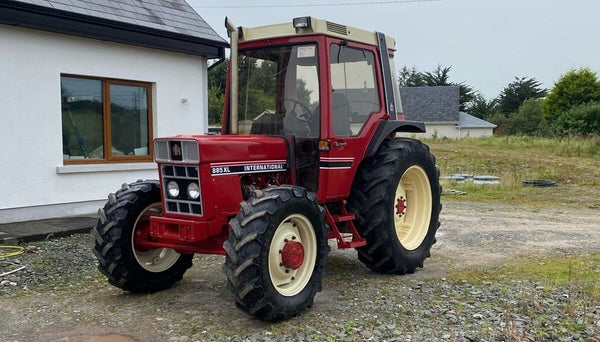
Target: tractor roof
{"type": "Point", "coordinates": [312, 25]}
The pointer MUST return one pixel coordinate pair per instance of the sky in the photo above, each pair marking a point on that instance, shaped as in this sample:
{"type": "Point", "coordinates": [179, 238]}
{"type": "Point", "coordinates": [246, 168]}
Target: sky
{"type": "Point", "coordinates": [486, 42]}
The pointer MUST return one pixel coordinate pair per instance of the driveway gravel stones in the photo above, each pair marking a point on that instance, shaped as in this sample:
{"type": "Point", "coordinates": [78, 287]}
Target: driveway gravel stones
{"type": "Point", "coordinates": [462, 294]}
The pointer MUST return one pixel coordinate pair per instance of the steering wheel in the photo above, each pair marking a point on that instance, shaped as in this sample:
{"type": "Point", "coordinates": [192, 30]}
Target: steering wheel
{"type": "Point", "coordinates": [306, 112]}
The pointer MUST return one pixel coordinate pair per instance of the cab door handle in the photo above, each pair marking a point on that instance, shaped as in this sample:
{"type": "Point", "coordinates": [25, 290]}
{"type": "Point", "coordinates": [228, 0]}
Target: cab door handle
{"type": "Point", "coordinates": [340, 143]}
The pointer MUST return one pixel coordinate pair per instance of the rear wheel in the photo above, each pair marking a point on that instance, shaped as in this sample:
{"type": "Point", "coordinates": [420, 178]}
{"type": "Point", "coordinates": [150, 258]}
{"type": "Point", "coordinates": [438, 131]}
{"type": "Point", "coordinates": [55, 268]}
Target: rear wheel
{"type": "Point", "coordinates": [123, 223]}
{"type": "Point", "coordinates": [396, 199]}
{"type": "Point", "coordinates": [276, 252]}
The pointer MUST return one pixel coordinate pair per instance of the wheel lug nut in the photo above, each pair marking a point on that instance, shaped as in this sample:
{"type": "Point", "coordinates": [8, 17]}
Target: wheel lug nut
{"type": "Point", "coordinates": [293, 278]}
{"type": "Point", "coordinates": [293, 238]}
{"type": "Point", "coordinates": [280, 251]}
{"type": "Point", "coordinates": [287, 271]}
{"type": "Point", "coordinates": [281, 264]}
{"type": "Point", "coordinates": [285, 240]}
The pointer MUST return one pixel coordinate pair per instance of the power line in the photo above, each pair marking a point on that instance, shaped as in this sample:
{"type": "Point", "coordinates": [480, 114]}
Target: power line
{"type": "Point", "coordinates": [388, 2]}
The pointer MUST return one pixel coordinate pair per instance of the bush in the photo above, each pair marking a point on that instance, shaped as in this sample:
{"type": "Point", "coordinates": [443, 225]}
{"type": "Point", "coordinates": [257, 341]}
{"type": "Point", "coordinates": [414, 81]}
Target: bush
{"type": "Point", "coordinates": [580, 120]}
{"type": "Point", "coordinates": [500, 120]}
{"type": "Point", "coordinates": [528, 120]}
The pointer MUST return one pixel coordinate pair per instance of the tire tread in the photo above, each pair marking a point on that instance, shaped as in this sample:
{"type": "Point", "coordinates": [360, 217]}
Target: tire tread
{"type": "Point", "coordinates": [370, 196]}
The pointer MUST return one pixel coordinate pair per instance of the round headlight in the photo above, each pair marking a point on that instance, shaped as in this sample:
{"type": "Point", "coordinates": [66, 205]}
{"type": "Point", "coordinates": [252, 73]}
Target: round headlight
{"type": "Point", "coordinates": [193, 191]}
{"type": "Point", "coordinates": [173, 189]}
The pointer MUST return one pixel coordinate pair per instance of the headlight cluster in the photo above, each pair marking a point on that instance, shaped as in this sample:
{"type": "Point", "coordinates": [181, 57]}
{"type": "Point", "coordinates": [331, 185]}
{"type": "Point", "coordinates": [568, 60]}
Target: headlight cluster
{"type": "Point", "coordinates": [193, 190]}
{"type": "Point", "coordinates": [181, 189]}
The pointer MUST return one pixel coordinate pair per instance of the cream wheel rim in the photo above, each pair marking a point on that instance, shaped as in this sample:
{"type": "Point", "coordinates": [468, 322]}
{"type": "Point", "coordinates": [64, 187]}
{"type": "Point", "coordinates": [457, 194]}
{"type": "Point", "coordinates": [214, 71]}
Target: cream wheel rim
{"type": "Point", "coordinates": [412, 207]}
{"type": "Point", "coordinates": [290, 277]}
{"type": "Point", "coordinates": [153, 260]}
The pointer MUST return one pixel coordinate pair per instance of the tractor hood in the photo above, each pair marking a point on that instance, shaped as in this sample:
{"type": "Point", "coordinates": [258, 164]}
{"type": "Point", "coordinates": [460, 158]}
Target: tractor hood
{"type": "Point", "coordinates": [217, 149]}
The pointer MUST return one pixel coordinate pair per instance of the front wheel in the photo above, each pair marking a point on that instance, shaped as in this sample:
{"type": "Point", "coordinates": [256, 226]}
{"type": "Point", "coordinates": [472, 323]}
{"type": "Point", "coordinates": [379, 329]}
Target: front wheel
{"type": "Point", "coordinates": [396, 199]}
{"type": "Point", "coordinates": [123, 223]}
{"type": "Point", "coordinates": [276, 252]}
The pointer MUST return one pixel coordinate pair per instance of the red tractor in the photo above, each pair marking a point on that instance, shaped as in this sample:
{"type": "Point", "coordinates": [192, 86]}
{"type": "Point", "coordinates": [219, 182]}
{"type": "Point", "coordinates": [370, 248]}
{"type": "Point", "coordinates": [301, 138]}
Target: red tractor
{"type": "Point", "coordinates": [308, 152]}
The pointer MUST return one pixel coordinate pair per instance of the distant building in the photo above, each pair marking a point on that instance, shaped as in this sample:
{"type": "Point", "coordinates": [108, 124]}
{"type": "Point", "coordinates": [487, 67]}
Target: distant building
{"type": "Point", "coordinates": [438, 107]}
{"type": "Point", "coordinates": [86, 86]}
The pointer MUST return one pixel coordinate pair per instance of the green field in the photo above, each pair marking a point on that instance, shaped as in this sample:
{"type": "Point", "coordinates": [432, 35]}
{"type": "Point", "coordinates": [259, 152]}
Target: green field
{"type": "Point", "coordinates": [574, 163]}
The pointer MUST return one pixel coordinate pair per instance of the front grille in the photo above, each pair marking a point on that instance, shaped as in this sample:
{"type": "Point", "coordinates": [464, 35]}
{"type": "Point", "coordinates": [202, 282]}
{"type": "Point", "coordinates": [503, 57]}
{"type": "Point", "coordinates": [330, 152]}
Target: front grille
{"type": "Point", "coordinates": [183, 176]}
{"type": "Point", "coordinates": [190, 150]}
{"type": "Point", "coordinates": [178, 150]}
{"type": "Point", "coordinates": [162, 150]}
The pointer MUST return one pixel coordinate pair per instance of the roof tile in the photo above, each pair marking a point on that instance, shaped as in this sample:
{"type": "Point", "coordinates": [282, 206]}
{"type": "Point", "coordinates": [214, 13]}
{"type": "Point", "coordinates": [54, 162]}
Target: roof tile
{"type": "Point", "coordinates": [431, 104]}
{"type": "Point", "coordinates": [167, 15]}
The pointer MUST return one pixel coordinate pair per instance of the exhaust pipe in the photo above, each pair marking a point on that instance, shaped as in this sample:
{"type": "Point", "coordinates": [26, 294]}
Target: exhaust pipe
{"type": "Point", "coordinates": [233, 34]}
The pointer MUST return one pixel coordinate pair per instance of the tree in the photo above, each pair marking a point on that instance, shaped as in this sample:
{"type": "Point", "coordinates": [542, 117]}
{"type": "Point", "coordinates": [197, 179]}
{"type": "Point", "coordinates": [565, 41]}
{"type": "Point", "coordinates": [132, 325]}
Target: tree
{"type": "Point", "coordinates": [217, 75]}
{"type": "Point", "coordinates": [215, 105]}
{"type": "Point", "coordinates": [467, 95]}
{"type": "Point", "coordinates": [440, 76]}
{"type": "Point", "coordinates": [217, 78]}
{"type": "Point", "coordinates": [482, 108]}
{"type": "Point", "coordinates": [516, 92]}
{"type": "Point", "coordinates": [410, 77]}
{"type": "Point", "coordinates": [574, 88]}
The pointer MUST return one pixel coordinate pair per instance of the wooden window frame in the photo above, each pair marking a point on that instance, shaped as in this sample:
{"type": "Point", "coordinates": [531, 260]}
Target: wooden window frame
{"type": "Point", "coordinates": [106, 122]}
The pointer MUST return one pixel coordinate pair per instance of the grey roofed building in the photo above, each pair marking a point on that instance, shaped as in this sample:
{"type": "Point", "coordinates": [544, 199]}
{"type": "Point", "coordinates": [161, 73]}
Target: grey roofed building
{"type": "Point", "coordinates": [439, 107]}
{"type": "Point", "coordinates": [431, 104]}
{"type": "Point", "coordinates": [469, 121]}
{"type": "Point", "coordinates": [162, 24]}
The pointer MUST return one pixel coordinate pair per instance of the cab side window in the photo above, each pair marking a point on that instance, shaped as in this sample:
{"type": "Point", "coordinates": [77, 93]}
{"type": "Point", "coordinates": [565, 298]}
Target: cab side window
{"type": "Point", "coordinates": [354, 93]}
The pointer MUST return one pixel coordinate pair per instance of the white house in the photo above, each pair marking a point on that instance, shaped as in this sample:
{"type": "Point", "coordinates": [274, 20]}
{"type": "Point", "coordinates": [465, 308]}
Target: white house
{"type": "Point", "coordinates": [438, 107]}
{"type": "Point", "coordinates": [85, 88]}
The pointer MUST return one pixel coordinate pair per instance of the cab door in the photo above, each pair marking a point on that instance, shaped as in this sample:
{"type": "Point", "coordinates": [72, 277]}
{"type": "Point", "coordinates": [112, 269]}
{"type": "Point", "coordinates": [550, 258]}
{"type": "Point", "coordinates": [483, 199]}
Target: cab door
{"type": "Point", "coordinates": [354, 110]}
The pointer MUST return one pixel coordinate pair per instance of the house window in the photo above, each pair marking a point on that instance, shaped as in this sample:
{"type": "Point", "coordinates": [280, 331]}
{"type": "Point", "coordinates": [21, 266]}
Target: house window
{"type": "Point", "coordinates": [105, 120]}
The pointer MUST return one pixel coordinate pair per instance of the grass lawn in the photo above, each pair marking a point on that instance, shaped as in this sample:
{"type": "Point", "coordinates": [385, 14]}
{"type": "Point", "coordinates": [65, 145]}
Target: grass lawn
{"type": "Point", "coordinates": [573, 163]}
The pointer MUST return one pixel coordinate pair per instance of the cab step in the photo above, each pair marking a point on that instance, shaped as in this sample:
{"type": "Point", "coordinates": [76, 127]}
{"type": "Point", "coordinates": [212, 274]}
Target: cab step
{"type": "Point", "coordinates": [343, 229]}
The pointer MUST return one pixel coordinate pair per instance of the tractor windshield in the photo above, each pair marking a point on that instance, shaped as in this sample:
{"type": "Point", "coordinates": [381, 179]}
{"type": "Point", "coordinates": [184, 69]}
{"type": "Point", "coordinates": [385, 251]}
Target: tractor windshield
{"type": "Point", "coordinates": [279, 91]}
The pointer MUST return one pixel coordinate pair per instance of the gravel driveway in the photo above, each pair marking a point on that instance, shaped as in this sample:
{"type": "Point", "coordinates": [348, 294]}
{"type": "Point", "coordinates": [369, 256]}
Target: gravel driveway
{"type": "Point", "coordinates": [464, 293]}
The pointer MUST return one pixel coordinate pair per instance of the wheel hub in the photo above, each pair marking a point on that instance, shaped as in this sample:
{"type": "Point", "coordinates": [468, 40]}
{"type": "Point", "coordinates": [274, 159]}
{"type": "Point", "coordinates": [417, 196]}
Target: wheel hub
{"type": "Point", "coordinates": [401, 206]}
{"type": "Point", "coordinates": [292, 255]}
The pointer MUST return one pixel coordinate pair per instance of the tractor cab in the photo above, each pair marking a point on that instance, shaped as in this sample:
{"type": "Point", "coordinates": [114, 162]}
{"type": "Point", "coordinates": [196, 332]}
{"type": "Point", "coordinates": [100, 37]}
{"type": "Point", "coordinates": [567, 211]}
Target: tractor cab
{"type": "Point", "coordinates": [324, 86]}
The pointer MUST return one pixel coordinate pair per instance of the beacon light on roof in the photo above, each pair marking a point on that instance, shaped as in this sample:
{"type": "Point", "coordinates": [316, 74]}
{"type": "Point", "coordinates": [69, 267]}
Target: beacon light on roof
{"type": "Point", "coordinates": [302, 23]}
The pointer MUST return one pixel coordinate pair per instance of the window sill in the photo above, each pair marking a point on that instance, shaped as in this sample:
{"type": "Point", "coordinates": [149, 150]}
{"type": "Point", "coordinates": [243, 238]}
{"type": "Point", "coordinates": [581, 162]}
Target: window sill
{"type": "Point", "coordinates": [87, 168]}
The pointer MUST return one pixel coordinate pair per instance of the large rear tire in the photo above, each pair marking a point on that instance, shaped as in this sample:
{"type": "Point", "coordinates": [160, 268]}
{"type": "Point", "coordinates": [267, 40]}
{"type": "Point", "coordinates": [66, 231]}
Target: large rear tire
{"type": "Point", "coordinates": [396, 199]}
{"type": "Point", "coordinates": [124, 219]}
{"type": "Point", "coordinates": [276, 252]}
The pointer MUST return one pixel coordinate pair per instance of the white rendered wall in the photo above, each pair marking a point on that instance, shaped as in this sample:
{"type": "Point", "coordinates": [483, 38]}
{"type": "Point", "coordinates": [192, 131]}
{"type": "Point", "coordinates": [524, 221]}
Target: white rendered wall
{"type": "Point", "coordinates": [35, 184]}
{"type": "Point", "coordinates": [476, 132]}
{"type": "Point", "coordinates": [440, 130]}
{"type": "Point", "coordinates": [451, 131]}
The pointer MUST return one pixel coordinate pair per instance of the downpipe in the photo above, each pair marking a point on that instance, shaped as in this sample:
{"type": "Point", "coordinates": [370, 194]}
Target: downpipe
{"type": "Point", "coordinates": [233, 34]}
